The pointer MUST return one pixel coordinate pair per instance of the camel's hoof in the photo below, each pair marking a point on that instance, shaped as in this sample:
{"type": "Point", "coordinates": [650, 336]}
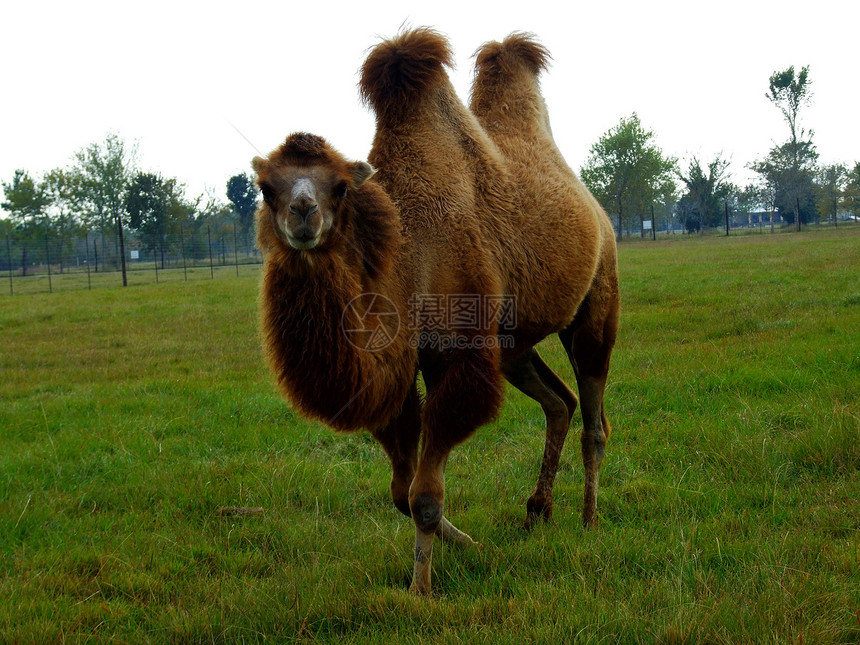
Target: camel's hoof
{"type": "Point", "coordinates": [536, 511]}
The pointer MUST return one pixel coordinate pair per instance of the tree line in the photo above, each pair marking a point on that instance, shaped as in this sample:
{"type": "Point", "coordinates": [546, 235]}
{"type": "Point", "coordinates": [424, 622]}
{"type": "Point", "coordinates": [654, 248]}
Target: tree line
{"type": "Point", "coordinates": [639, 186]}
{"type": "Point", "coordinates": [104, 193]}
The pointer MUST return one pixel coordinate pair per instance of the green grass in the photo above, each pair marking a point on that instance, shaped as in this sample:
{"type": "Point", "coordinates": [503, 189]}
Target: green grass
{"type": "Point", "coordinates": [728, 505]}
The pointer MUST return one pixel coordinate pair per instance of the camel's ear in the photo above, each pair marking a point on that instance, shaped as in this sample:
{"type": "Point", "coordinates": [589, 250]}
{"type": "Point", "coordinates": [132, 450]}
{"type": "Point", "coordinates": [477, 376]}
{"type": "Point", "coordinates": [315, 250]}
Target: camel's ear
{"type": "Point", "coordinates": [361, 172]}
{"type": "Point", "coordinates": [258, 164]}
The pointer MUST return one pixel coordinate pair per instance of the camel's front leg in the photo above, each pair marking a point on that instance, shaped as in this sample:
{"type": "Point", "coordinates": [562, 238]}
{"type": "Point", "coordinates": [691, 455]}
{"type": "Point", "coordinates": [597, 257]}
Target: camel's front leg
{"type": "Point", "coordinates": [449, 418]}
{"type": "Point", "coordinates": [426, 501]}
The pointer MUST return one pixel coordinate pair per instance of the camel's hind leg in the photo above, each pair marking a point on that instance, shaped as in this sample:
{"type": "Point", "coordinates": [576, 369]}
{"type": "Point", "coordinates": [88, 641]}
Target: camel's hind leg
{"type": "Point", "coordinates": [529, 374]}
{"type": "Point", "coordinates": [588, 341]}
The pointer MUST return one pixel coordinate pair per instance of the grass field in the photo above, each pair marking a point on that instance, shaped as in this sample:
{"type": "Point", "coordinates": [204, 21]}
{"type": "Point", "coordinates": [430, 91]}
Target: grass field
{"type": "Point", "coordinates": [729, 502]}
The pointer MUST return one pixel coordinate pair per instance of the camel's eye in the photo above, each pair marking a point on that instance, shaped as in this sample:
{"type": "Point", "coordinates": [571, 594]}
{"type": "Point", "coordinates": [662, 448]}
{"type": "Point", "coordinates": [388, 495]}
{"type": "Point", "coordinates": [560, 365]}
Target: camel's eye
{"type": "Point", "coordinates": [268, 195]}
{"type": "Point", "coordinates": [340, 191]}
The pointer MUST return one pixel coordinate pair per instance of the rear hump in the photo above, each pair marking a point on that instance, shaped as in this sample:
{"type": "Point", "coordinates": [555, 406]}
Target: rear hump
{"type": "Point", "coordinates": [517, 49]}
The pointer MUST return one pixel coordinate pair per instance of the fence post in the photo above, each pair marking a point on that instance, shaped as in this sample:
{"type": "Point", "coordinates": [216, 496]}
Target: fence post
{"type": "Point", "coordinates": [235, 251]}
{"type": "Point", "coordinates": [727, 218]}
{"type": "Point", "coordinates": [155, 257]}
{"type": "Point", "coordinates": [9, 254]}
{"type": "Point", "coordinates": [122, 249]}
{"type": "Point", "coordinates": [653, 224]}
{"type": "Point", "coordinates": [211, 266]}
{"type": "Point", "coordinates": [48, 260]}
{"type": "Point", "coordinates": [87, 246]}
{"type": "Point", "coordinates": [182, 251]}
{"type": "Point", "coordinates": [797, 212]}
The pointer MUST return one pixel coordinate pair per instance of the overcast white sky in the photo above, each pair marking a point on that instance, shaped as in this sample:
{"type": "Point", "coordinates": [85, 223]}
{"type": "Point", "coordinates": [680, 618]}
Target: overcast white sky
{"type": "Point", "coordinates": [184, 79]}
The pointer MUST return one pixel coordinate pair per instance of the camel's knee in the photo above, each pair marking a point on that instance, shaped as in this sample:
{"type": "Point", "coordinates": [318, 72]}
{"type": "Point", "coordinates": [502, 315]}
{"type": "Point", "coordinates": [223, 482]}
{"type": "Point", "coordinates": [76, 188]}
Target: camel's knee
{"type": "Point", "coordinates": [426, 512]}
{"type": "Point", "coordinates": [593, 442]}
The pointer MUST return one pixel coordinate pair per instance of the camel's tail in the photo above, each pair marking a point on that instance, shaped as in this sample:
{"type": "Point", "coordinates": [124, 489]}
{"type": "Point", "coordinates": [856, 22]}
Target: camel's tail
{"type": "Point", "coordinates": [403, 68]}
{"type": "Point", "coordinates": [515, 50]}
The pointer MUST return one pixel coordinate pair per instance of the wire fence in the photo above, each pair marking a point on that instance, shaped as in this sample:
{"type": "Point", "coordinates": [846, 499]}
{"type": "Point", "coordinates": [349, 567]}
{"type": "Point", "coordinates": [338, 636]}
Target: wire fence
{"type": "Point", "coordinates": [48, 262]}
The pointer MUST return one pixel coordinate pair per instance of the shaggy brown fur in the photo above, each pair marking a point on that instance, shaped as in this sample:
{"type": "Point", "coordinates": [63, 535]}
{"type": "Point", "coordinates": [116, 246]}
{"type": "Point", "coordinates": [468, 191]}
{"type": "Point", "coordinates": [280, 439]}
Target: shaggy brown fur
{"type": "Point", "coordinates": [304, 295]}
{"type": "Point", "coordinates": [487, 207]}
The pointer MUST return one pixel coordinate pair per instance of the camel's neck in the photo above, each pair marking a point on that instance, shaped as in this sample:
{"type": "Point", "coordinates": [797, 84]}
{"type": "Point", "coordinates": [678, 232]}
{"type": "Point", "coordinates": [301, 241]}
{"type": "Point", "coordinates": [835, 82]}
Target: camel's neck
{"type": "Point", "coordinates": [333, 341]}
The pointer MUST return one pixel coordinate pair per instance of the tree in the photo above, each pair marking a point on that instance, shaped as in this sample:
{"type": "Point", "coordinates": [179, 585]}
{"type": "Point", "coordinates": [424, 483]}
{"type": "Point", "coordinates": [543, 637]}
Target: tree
{"type": "Point", "coordinates": [664, 207]}
{"type": "Point", "coordinates": [830, 190]}
{"type": "Point", "coordinates": [156, 208]}
{"type": "Point", "coordinates": [63, 212]}
{"type": "Point", "coordinates": [626, 171]}
{"type": "Point", "coordinates": [747, 199]}
{"type": "Point", "coordinates": [790, 172]}
{"type": "Point", "coordinates": [242, 193]}
{"type": "Point", "coordinates": [796, 158]}
{"type": "Point", "coordinates": [103, 174]}
{"type": "Point", "coordinates": [223, 222]}
{"type": "Point", "coordinates": [790, 92]}
{"type": "Point", "coordinates": [765, 191]}
{"type": "Point", "coordinates": [707, 190]}
{"type": "Point", "coordinates": [26, 202]}
{"type": "Point", "coordinates": [146, 203]}
{"type": "Point", "coordinates": [852, 191]}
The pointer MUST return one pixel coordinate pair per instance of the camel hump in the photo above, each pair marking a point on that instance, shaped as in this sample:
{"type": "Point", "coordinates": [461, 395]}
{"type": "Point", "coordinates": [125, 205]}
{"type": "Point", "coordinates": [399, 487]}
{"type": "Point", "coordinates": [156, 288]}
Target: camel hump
{"type": "Point", "coordinates": [406, 66]}
{"type": "Point", "coordinates": [517, 49]}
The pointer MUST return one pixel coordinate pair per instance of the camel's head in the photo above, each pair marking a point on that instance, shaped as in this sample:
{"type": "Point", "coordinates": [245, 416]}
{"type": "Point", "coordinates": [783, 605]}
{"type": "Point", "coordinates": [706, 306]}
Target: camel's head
{"type": "Point", "coordinates": [304, 184]}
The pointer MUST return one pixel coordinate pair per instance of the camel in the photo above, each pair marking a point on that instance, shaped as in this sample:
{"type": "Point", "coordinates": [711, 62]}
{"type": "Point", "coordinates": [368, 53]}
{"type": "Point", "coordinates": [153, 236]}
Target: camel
{"type": "Point", "coordinates": [454, 206]}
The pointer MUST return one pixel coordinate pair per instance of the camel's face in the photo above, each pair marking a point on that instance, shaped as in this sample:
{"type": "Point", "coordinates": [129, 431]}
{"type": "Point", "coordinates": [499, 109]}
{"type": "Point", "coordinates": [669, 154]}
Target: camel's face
{"type": "Point", "coordinates": [305, 201]}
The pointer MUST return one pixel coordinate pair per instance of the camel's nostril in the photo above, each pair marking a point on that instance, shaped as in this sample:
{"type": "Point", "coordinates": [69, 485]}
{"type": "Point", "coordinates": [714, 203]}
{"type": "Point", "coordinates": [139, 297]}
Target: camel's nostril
{"type": "Point", "coordinates": [303, 208]}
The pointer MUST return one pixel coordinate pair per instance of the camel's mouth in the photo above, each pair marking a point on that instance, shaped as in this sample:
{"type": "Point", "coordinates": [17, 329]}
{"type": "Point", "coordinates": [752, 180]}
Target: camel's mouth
{"type": "Point", "coordinates": [303, 244]}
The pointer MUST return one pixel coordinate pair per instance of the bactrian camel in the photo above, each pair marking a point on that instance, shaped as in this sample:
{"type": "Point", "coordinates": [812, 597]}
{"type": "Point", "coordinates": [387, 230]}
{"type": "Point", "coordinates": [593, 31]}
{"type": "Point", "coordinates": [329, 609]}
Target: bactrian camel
{"type": "Point", "coordinates": [454, 203]}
